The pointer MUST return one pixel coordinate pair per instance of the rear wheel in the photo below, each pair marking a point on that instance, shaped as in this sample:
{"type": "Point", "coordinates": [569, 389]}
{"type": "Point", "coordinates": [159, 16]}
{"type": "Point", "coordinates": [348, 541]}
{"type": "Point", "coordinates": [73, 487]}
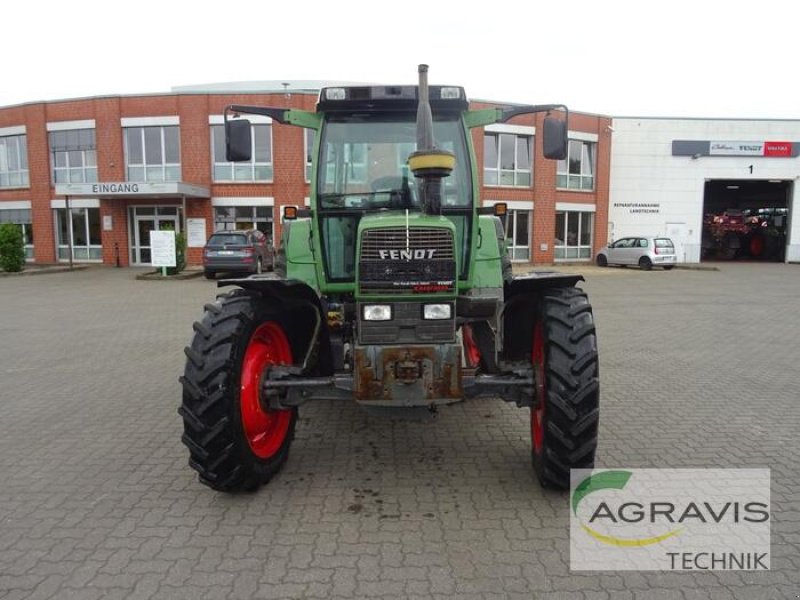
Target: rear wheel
{"type": "Point", "coordinates": [209, 274]}
{"type": "Point", "coordinates": [645, 264]}
{"type": "Point", "coordinates": [668, 267]}
{"type": "Point", "coordinates": [564, 418]}
{"type": "Point", "coordinates": [602, 261]}
{"type": "Point", "coordinates": [235, 443]}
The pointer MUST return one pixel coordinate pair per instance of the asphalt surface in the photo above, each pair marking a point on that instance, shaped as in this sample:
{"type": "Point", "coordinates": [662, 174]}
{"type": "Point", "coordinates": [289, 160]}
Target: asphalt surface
{"type": "Point", "coordinates": [698, 369]}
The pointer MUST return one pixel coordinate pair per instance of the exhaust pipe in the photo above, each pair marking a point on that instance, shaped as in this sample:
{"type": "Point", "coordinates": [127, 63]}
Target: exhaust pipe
{"type": "Point", "coordinates": [429, 163]}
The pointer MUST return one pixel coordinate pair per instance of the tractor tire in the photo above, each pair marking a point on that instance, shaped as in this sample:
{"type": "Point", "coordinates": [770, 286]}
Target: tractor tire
{"type": "Point", "coordinates": [565, 414]}
{"type": "Point", "coordinates": [234, 443]}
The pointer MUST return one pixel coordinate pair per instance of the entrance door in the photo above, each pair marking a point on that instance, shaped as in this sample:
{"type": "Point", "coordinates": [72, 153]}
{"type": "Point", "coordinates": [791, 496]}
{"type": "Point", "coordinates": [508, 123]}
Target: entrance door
{"type": "Point", "coordinates": [143, 225]}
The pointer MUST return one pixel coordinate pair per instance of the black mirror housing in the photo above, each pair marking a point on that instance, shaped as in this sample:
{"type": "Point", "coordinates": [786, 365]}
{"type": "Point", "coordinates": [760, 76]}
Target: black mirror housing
{"type": "Point", "coordinates": [238, 141]}
{"type": "Point", "coordinates": [555, 138]}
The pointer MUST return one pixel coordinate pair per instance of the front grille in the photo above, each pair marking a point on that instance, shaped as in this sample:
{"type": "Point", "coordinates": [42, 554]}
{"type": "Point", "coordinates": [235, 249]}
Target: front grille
{"type": "Point", "coordinates": [396, 260]}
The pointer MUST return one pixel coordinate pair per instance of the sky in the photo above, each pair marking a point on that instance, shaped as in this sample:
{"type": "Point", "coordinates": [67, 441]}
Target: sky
{"type": "Point", "coordinates": [660, 58]}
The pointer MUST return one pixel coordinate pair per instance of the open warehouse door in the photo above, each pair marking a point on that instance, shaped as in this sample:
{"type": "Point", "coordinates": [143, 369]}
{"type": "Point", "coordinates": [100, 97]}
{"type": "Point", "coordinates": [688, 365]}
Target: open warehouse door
{"type": "Point", "coordinates": [746, 219]}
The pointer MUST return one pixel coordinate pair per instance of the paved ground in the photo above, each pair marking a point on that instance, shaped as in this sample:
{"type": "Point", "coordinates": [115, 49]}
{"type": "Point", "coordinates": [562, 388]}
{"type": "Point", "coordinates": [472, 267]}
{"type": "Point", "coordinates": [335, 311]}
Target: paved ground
{"type": "Point", "coordinates": [96, 500]}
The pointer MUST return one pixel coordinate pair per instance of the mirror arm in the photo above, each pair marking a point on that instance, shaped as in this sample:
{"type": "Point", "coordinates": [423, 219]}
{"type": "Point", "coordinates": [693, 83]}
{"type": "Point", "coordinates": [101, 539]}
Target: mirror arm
{"type": "Point", "coordinates": [278, 114]}
{"type": "Point", "coordinates": [509, 113]}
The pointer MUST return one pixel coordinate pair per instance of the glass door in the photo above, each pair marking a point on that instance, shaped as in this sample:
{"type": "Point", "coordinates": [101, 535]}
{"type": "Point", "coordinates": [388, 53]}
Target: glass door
{"type": "Point", "coordinates": [147, 219]}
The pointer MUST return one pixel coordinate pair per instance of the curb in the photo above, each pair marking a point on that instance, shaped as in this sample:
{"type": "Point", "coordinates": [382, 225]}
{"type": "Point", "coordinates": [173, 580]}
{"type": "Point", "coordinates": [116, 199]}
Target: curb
{"type": "Point", "coordinates": [45, 271]}
{"type": "Point", "coordinates": [157, 276]}
{"type": "Point", "coordinates": [696, 267]}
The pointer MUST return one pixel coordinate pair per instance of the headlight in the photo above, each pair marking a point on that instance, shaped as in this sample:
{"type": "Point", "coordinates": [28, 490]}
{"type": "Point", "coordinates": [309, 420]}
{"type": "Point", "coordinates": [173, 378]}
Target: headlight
{"type": "Point", "coordinates": [450, 93]}
{"type": "Point", "coordinates": [437, 311]}
{"type": "Point", "coordinates": [335, 94]}
{"type": "Point", "coordinates": [377, 312]}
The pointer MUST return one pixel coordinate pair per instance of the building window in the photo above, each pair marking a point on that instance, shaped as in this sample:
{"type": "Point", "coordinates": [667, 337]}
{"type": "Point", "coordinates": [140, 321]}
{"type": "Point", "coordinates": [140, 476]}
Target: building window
{"type": "Point", "coordinates": [13, 161]}
{"type": "Point", "coordinates": [507, 159]}
{"type": "Point", "coordinates": [516, 224]}
{"type": "Point", "coordinates": [573, 239]}
{"type": "Point", "coordinates": [153, 153]}
{"type": "Point", "coordinates": [577, 171]}
{"type": "Point", "coordinates": [73, 156]}
{"type": "Point", "coordinates": [310, 135]}
{"type": "Point", "coordinates": [21, 217]}
{"type": "Point", "coordinates": [83, 226]}
{"type": "Point", "coordinates": [231, 218]}
{"type": "Point", "coordinates": [258, 168]}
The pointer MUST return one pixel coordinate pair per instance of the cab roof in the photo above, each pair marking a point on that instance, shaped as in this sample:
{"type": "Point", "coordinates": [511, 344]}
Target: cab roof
{"type": "Point", "coordinates": [390, 98]}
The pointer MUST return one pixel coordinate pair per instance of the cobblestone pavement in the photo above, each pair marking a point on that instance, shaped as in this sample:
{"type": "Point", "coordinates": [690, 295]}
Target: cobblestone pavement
{"type": "Point", "coordinates": [96, 500]}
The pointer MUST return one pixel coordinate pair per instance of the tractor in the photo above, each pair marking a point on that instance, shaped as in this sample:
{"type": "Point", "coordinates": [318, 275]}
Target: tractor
{"type": "Point", "coordinates": [389, 292]}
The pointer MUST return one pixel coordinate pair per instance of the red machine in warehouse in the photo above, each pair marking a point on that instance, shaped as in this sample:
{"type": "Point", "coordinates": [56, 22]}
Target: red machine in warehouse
{"type": "Point", "coordinates": [755, 233]}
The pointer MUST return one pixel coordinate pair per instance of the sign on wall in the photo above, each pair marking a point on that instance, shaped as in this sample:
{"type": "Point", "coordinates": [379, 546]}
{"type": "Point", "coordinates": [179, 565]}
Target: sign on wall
{"type": "Point", "coordinates": [766, 149]}
{"type": "Point", "coordinates": [195, 233]}
{"type": "Point", "coordinates": [639, 207]}
{"type": "Point", "coordinates": [162, 249]}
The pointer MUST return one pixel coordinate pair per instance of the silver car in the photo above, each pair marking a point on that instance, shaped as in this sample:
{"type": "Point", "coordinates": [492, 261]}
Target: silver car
{"type": "Point", "coordinates": [646, 252]}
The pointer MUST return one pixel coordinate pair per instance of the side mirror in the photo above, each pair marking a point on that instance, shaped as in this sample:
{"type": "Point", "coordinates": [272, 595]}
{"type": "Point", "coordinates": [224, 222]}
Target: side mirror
{"type": "Point", "coordinates": [238, 141]}
{"type": "Point", "coordinates": [555, 138]}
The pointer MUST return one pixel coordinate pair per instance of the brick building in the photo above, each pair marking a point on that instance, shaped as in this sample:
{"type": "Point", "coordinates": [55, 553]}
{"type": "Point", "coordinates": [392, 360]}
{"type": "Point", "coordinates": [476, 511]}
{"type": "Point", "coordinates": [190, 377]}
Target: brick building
{"type": "Point", "coordinates": [125, 165]}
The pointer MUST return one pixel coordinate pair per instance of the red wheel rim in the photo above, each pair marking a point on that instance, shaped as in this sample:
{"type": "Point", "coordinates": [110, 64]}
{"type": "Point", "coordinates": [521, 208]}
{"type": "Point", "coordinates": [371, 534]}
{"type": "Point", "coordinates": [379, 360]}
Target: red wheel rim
{"type": "Point", "coordinates": [537, 412]}
{"type": "Point", "coordinates": [265, 430]}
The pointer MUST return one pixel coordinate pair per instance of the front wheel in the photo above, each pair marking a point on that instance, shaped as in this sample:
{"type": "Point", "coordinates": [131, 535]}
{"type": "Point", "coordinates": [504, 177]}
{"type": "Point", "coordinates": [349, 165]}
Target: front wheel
{"type": "Point", "coordinates": [602, 261]}
{"type": "Point", "coordinates": [565, 414]}
{"type": "Point", "coordinates": [235, 443]}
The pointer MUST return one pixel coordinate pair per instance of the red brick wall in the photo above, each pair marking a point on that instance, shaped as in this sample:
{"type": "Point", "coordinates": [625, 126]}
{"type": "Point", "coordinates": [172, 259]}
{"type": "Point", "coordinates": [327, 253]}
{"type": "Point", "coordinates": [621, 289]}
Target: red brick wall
{"type": "Point", "coordinates": [543, 192]}
{"type": "Point", "coordinates": [288, 185]}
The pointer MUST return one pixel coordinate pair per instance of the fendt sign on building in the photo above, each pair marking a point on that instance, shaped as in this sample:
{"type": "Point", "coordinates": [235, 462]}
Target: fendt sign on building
{"type": "Point", "coordinates": [766, 149]}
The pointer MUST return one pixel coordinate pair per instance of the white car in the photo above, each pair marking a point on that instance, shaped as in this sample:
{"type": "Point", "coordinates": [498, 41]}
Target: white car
{"type": "Point", "coordinates": [646, 252]}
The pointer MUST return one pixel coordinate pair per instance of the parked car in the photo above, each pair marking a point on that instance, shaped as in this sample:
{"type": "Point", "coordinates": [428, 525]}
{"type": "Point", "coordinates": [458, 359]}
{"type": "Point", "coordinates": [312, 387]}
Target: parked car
{"type": "Point", "coordinates": [646, 252]}
{"type": "Point", "coordinates": [237, 251]}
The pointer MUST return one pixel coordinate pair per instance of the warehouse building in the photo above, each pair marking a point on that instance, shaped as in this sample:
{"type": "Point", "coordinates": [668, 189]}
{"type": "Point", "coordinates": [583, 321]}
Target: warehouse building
{"type": "Point", "coordinates": [722, 189]}
{"type": "Point", "coordinates": [88, 179]}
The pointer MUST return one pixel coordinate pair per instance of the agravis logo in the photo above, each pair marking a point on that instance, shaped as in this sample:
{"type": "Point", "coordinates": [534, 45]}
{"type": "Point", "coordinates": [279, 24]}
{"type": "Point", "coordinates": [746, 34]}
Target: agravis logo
{"type": "Point", "coordinates": [677, 519]}
{"type": "Point", "coordinates": [612, 480]}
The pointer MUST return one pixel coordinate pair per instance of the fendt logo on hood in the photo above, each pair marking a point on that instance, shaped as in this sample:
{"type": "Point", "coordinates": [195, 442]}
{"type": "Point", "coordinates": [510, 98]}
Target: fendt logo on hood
{"type": "Point", "coordinates": [417, 254]}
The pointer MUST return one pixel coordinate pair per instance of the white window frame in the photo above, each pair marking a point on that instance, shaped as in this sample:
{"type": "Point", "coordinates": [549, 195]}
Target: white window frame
{"type": "Point", "coordinates": [241, 167]}
{"type": "Point", "coordinates": [62, 249]}
{"type": "Point", "coordinates": [518, 172]}
{"type": "Point", "coordinates": [143, 165]}
{"type": "Point", "coordinates": [27, 227]}
{"type": "Point", "coordinates": [564, 249]}
{"type": "Point", "coordinates": [244, 203]}
{"type": "Point", "coordinates": [586, 180]}
{"type": "Point", "coordinates": [308, 151]}
{"type": "Point", "coordinates": [88, 173]}
{"type": "Point", "coordinates": [20, 149]}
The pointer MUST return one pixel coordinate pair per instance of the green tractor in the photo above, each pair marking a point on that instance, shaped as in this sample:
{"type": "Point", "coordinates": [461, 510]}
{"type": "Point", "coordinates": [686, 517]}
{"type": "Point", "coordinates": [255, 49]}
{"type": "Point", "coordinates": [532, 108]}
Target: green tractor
{"type": "Point", "coordinates": [389, 292]}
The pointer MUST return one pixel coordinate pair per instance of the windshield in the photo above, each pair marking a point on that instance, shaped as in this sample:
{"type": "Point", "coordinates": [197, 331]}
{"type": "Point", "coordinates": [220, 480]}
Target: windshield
{"type": "Point", "coordinates": [220, 239]}
{"type": "Point", "coordinates": [364, 163]}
